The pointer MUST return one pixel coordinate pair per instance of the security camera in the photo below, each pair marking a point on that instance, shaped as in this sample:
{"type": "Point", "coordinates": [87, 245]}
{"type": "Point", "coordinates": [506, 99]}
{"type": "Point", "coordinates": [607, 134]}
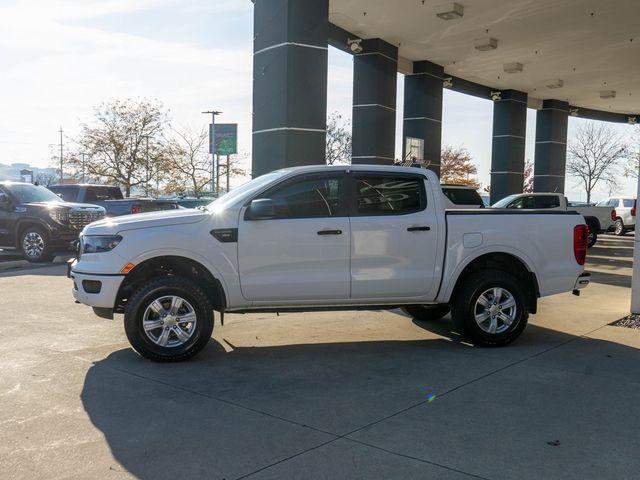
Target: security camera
{"type": "Point", "coordinates": [447, 82]}
{"type": "Point", "coordinates": [355, 45]}
{"type": "Point", "coordinates": [496, 96]}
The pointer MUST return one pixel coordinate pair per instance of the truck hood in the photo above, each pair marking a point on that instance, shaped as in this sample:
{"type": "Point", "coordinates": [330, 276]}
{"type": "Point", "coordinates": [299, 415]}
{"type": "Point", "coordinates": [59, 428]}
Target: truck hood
{"type": "Point", "coordinates": [54, 205]}
{"type": "Point", "coordinates": [163, 218]}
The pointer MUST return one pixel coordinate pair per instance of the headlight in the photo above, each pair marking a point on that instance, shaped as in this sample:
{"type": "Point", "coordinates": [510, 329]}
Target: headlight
{"type": "Point", "coordinates": [99, 243]}
{"type": "Point", "coordinates": [60, 216]}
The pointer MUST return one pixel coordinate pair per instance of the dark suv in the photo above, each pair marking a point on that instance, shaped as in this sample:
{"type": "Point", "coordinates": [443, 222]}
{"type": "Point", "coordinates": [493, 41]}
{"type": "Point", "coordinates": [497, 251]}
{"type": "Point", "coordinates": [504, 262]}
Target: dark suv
{"type": "Point", "coordinates": [37, 221]}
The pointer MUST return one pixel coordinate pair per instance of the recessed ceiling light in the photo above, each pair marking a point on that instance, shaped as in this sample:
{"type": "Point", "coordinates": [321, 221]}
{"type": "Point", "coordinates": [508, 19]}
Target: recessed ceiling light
{"type": "Point", "coordinates": [451, 13]}
{"type": "Point", "coordinates": [557, 83]}
{"type": "Point", "coordinates": [486, 44]}
{"type": "Point", "coordinates": [607, 94]}
{"type": "Point", "coordinates": [513, 67]}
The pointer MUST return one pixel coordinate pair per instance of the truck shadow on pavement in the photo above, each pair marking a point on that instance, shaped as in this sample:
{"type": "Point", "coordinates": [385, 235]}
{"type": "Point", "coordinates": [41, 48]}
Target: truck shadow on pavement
{"type": "Point", "coordinates": [227, 414]}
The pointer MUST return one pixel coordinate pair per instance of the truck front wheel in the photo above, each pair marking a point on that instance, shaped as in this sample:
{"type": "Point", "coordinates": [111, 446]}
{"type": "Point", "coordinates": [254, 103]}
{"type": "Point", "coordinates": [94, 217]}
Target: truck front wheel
{"type": "Point", "coordinates": [35, 244]}
{"type": "Point", "coordinates": [169, 319]}
{"type": "Point", "coordinates": [490, 308]}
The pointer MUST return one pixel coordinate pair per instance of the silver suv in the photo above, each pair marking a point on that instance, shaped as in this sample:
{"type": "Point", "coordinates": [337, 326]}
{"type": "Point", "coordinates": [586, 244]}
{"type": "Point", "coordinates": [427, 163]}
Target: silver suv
{"type": "Point", "coordinates": [625, 208]}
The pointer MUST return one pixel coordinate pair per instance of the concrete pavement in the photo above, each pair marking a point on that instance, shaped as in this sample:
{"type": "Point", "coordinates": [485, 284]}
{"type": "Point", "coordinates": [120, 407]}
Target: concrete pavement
{"type": "Point", "coordinates": [322, 395]}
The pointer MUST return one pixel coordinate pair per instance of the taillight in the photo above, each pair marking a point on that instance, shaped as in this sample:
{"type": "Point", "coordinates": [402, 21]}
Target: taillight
{"type": "Point", "coordinates": [482, 205]}
{"type": "Point", "coordinates": [136, 208]}
{"type": "Point", "coordinates": [633, 210]}
{"type": "Point", "coordinates": [580, 241]}
{"type": "Point", "coordinates": [614, 214]}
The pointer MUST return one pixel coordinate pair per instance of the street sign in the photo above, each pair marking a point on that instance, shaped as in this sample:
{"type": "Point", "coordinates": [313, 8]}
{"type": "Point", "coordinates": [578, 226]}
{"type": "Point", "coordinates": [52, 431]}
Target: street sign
{"type": "Point", "coordinates": [226, 138]}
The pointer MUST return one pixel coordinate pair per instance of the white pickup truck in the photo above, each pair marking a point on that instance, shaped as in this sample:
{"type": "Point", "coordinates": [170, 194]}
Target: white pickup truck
{"type": "Point", "coordinates": [599, 219]}
{"type": "Point", "coordinates": [326, 237]}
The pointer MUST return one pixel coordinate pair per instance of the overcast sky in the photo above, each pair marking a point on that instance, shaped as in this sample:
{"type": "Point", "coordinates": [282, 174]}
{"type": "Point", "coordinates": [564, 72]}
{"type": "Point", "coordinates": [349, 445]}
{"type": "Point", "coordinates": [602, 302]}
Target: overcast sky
{"type": "Point", "coordinates": [60, 58]}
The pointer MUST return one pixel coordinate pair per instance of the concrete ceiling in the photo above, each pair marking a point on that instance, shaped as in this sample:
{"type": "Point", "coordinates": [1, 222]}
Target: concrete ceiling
{"type": "Point", "coordinates": [592, 45]}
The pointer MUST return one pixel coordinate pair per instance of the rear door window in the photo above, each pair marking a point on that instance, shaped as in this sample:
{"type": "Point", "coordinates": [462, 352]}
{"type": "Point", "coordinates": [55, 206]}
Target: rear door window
{"type": "Point", "coordinates": [629, 202]}
{"type": "Point", "coordinates": [522, 202]}
{"type": "Point", "coordinates": [98, 194]}
{"type": "Point", "coordinates": [389, 194]}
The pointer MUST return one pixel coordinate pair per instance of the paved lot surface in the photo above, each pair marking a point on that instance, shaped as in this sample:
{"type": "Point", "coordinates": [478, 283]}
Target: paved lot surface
{"type": "Point", "coordinates": [328, 395]}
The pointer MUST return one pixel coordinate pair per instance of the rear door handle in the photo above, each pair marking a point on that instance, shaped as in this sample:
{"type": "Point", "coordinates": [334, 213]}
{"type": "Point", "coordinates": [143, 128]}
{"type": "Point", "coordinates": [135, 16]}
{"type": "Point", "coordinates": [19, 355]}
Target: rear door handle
{"type": "Point", "coordinates": [418, 229]}
{"type": "Point", "coordinates": [330, 232]}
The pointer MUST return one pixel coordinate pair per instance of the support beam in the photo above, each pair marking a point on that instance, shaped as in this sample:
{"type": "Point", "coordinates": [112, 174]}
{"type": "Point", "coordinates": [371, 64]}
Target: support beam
{"type": "Point", "coordinates": [423, 112]}
{"type": "Point", "coordinates": [374, 102]}
{"type": "Point", "coordinates": [551, 147]}
{"type": "Point", "coordinates": [289, 83]}
{"type": "Point", "coordinates": [507, 152]}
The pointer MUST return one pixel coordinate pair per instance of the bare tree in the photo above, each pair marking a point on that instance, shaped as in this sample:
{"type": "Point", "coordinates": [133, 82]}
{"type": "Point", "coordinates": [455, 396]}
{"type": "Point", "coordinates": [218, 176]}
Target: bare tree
{"type": "Point", "coordinates": [633, 162]}
{"type": "Point", "coordinates": [456, 167]}
{"type": "Point", "coordinates": [528, 176]}
{"type": "Point", "coordinates": [338, 140]}
{"type": "Point", "coordinates": [189, 162]}
{"type": "Point", "coordinates": [594, 155]}
{"type": "Point", "coordinates": [116, 141]}
{"type": "Point", "coordinates": [46, 178]}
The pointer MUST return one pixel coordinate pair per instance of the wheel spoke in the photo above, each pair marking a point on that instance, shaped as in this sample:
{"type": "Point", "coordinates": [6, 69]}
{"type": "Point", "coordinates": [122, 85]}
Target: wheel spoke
{"type": "Point", "coordinates": [176, 303]}
{"type": "Point", "coordinates": [152, 324]}
{"type": "Point", "coordinates": [509, 303]}
{"type": "Point", "coordinates": [484, 302]}
{"type": "Point", "coordinates": [481, 317]}
{"type": "Point", "coordinates": [181, 334]}
{"type": "Point", "coordinates": [187, 318]}
{"type": "Point", "coordinates": [493, 326]}
{"type": "Point", "coordinates": [506, 319]}
{"type": "Point", "coordinates": [163, 338]}
{"type": "Point", "coordinates": [157, 307]}
{"type": "Point", "coordinates": [497, 294]}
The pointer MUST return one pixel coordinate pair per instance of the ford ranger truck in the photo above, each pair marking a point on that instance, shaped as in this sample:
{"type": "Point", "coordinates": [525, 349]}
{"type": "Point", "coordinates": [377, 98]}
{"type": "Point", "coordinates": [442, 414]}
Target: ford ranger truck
{"type": "Point", "coordinates": [327, 237]}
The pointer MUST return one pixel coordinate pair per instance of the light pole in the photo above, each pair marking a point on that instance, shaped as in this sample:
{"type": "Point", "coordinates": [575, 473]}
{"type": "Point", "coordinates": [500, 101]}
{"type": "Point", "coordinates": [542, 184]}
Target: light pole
{"type": "Point", "coordinates": [635, 279]}
{"type": "Point", "coordinates": [83, 154]}
{"type": "Point", "coordinates": [212, 150]}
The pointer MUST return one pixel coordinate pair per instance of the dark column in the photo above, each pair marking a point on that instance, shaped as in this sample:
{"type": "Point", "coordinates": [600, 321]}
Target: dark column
{"type": "Point", "coordinates": [423, 111]}
{"type": "Point", "coordinates": [551, 146]}
{"type": "Point", "coordinates": [374, 102]}
{"type": "Point", "coordinates": [507, 151]}
{"type": "Point", "coordinates": [289, 83]}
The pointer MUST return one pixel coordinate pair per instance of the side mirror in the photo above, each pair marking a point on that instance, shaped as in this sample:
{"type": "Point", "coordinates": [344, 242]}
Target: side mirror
{"type": "Point", "coordinates": [4, 201]}
{"type": "Point", "coordinates": [261, 209]}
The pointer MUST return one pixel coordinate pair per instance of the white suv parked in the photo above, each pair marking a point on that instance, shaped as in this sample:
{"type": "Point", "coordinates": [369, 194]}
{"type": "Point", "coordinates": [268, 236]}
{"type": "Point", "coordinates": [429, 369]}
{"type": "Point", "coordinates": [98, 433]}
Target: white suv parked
{"type": "Point", "coordinates": [625, 208]}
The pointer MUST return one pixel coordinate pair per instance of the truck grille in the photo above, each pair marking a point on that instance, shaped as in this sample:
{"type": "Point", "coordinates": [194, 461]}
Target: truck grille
{"type": "Point", "coordinates": [79, 220]}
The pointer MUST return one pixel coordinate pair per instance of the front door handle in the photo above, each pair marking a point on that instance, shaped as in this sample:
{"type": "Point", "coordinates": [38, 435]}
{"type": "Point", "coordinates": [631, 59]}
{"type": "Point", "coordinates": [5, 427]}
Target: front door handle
{"type": "Point", "coordinates": [330, 232]}
{"type": "Point", "coordinates": [418, 229]}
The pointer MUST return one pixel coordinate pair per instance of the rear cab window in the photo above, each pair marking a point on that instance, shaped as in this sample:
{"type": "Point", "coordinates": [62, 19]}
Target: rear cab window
{"type": "Point", "coordinates": [463, 196]}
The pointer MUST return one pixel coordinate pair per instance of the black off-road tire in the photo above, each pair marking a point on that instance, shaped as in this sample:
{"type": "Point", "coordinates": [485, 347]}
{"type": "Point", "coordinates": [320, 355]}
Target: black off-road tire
{"type": "Point", "coordinates": [426, 313]}
{"type": "Point", "coordinates": [463, 306]}
{"type": "Point", "coordinates": [619, 228]}
{"type": "Point", "coordinates": [158, 288]}
{"type": "Point", "coordinates": [36, 244]}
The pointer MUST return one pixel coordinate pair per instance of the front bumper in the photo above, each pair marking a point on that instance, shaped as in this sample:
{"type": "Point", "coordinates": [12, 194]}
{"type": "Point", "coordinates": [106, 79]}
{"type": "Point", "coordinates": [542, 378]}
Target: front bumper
{"type": "Point", "coordinates": [84, 282]}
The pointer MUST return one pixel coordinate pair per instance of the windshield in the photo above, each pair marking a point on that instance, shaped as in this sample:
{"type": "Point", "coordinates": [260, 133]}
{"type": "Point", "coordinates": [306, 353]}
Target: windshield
{"type": "Point", "coordinates": [31, 193]}
{"type": "Point", "coordinates": [67, 194]}
{"type": "Point", "coordinates": [245, 189]}
{"type": "Point", "coordinates": [504, 202]}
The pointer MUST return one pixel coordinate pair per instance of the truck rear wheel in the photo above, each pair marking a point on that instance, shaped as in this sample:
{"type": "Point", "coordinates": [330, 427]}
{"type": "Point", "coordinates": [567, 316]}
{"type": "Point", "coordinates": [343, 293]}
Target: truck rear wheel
{"type": "Point", "coordinates": [425, 313]}
{"type": "Point", "coordinates": [490, 308]}
{"type": "Point", "coordinates": [618, 228]}
{"type": "Point", "coordinates": [168, 320]}
{"type": "Point", "coordinates": [35, 244]}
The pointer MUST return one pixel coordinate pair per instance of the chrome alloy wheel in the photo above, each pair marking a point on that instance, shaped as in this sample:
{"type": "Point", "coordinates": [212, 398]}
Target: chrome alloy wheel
{"type": "Point", "coordinates": [495, 310]}
{"type": "Point", "coordinates": [619, 227]}
{"type": "Point", "coordinates": [169, 321]}
{"type": "Point", "coordinates": [33, 244]}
